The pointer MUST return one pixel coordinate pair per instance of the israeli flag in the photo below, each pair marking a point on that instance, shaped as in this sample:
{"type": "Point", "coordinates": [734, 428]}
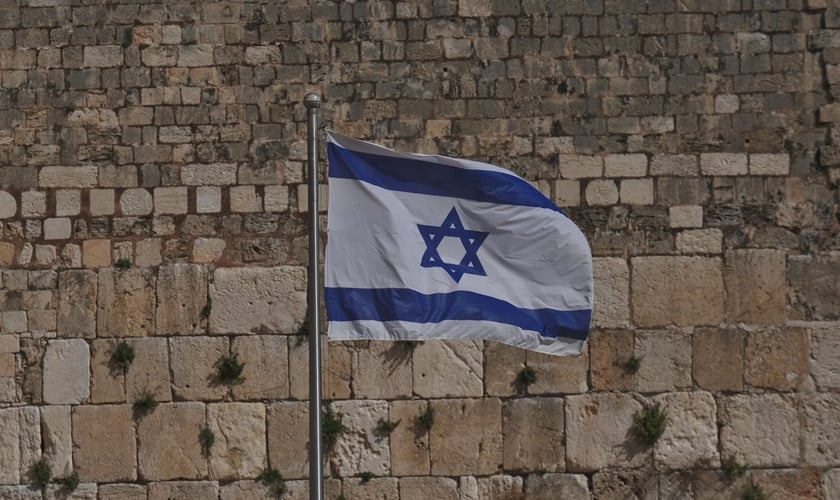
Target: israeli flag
{"type": "Point", "coordinates": [430, 247]}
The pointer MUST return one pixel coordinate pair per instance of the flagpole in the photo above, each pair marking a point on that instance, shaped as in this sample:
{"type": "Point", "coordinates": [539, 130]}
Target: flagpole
{"type": "Point", "coordinates": [312, 102]}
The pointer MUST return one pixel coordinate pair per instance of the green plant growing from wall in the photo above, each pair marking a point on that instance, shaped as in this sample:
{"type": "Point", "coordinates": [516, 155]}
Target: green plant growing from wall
{"type": "Point", "coordinates": [649, 423]}
{"type": "Point", "coordinates": [229, 369]}
{"type": "Point", "coordinates": [206, 438]}
{"type": "Point", "coordinates": [332, 427]}
{"type": "Point", "coordinates": [208, 307]}
{"type": "Point", "coordinates": [752, 492]}
{"type": "Point", "coordinates": [365, 477]}
{"type": "Point", "coordinates": [123, 355]}
{"type": "Point", "coordinates": [732, 468]}
{"type": "Point", "coordinates": [525, 378]}
{"type": "Point", "coordinates": [426, 420]}
{"type": "Point", "coordinates": [123, 264]}
{"type": "Point", "coordinates": [385, 427]}
{"type": "Point", "coordinates": [632, 364]}
{"type": "Point", "coordinates": [41, 473]}
{"type": "Point", "coordinates": [145, 403]}
{"type": "Point", "coordinates": [274, 481]}
{"type": "Point", "coordinates": [68, 483]}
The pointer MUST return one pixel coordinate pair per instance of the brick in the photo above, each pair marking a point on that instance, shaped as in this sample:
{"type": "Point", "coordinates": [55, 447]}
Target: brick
{"type": "Point", "coordinates": [674, 165]}
{"type": "Point", "coordinates": [167, 442]}
{"type": "Point", "coordinates": [276, 199]}
{"type": "Point", "coordinates": [147, 252]}
{"type": "Point", "coordinates": [8, 205]}
{"type": "Point", "coordinates": [14, 321]}
{"type": "Point", "coordinates": [7, 254]}
{"type": "Point", "coordinates": [208, 199]}
{"type": "Point", "coordinates": [769, 164]}
{"type": "Point", "coordinates": [57, 229]}
{"type": "Point", "coordinates": [625, 165]}
{"type": "Point", "coordinates": [195, 55]}
{"type": "Point", "coordinates": [244, 199]}
{"type": "Point", "coordinates": [118, 176]}
{"type": "Point", "coordinates": [136, 202]}
{"type": "Point", "coordinates": [170, 200]}
{"type": "Point", "coordinates": [761, 430]}
{"type": "Point", "coordinates": [692, 241]}
{"type": "Point", "coordinates": [102, 202]}
{"type": "Point", "coordinates": [103, 56]}
{"type": "Point", "coordinates": [66, 372]}
{"type": "Point", "coordinates": [567, 193]}
{"type": "Point", "coordinates": [104, 443]}
{"type": "Point", "coordinates": [33, 204]}
{"type": "Point", "coordinates": [126, 303]}
{"type": "Point", "coordinates": [723, 164]}
{"type": "Point", "coordinates": [67, 202]}
{"type": "Point", "coordinates": [597, 428]}
{"type": "Point", "coordinates": [726, 103]}
{"type": "Point", "coordinates": [685, 216]}
{"type": "Point", "coordinates": [208, 249]}
{"type": "Point", "coordinates": [580, 166]}
{"type": "Point", "coordinates": [449, 368]}
{"type": "Point", "coordinates": [676, 290]}
{"type": "Point", "coordinates": [69, 177]}
{"type": "Point", "coordinates": [214, 174]}
{"type": "Point", "coordinates": [525, 450]}
{"type": "Point", "coordinates": [457, 450]}
{"type": "Point", "coordinates": [636, 191]}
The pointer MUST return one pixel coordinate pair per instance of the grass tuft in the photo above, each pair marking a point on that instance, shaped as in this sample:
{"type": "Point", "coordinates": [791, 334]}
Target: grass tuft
{"type": "Point", "coordinates": [649, 423]}
{"type": "Point", "coordinates": [332, 428]}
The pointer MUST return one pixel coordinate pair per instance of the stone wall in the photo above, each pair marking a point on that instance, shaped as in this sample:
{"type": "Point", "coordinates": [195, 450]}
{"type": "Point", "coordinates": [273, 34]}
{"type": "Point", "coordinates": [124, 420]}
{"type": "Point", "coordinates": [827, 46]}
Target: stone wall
{"type": "Point", "coordinates": [153, 201]}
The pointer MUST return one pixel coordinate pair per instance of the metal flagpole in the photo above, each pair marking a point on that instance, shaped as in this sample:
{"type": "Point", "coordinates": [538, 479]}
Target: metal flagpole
{"type": "Point", "coordinates": [316, 461]}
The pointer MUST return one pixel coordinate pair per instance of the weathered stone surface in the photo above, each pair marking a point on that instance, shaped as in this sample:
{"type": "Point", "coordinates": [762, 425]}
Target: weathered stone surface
{"type": "Point", "coordinates": [822, 430]}
{"type": "Point", "coordinates": [815, 295]}
{"type": "Point", "coordinates": [503, 363]}
{"type": "Point", "coordinates": [457, 450]}
{"type": "Point", "coordinates": [699, 241]}
{"type": "Point", "coordinates": [685, 216]}
{"type": "Point", "coordinates": [122, 492]}
{"type": "Point", "coordinates": [77, 298]}
{"type": "Point", "coordinates": [29, 438]}
{"type": "Point", "coordinates": [793, 484]}
{"type": "Point", "coordinates": [20, 493]}
{"type": "Point", "coordinates": [442, 488]}
{"type": "Point", "coordinates": [761, 430]}
{"type": "Point", "coordinates": [383, 371]}
{"type": "Point", "coordinates": [622, 484]}
{"type": "Point", "coordinates": [193, 365]}
{"type": "Point", "coordinates": [66, 372]}
{"type": "Point", "coordinates": [246, 490]}
{"type": "Point", "coordinates": [336, 358]}
{"type": "Point", "coordinates": [665, 360]}
{"type": "Point", "coordinates": [598, 432]}
{"type": "Point", "coordinates": [677, 290]}
{"type": "Point", "coordinates": [409, 441]}
{"type": "Point", "coordinates": [288, 446]}
{"type": "Point", "coordinates": [718, 359]}
{"type": "Point", "coordinates": [831, 484]}
{"type": "Point", "coordinates": [104, 446]}
{"type": "Point", "coordinates": [266, 371]}
{"type": "Point", "coordinates": [239, 447]}
{"type": "Point", "coordinates": [525, 448]}
{"type": "Point", "coordinates": [181, 299]}
{"type": "Point", "coordinates": [8, 205]}
{"type": "Point", "coordinates": [557, 374]}
{"type": "Point", "coordinates": [776, 359]}
{"type": "Point", "coordinates": [553, 486]}
{"type": "Point", "coordinates": [608, 352]}
{"type": "Point", "coordinates": [360, 448]}
{"type": "Point", "coordinates": [690, 437]}
{"type": "Point", "coordinates": [149, 372]}
{"type": "Point", "coordinates": [499, 486]}
{"type": "Point", "coordinates": [126, 303]}
{"type": "Point", "coordinates": [71, 177]}
{"type": "Point", "coordinates": [448, 368]}
{"type": "Point", "coordinates": [825, 357]}
{"type": "Point", "coordinates": [84, 491]}
{"type": "Point", "coordinates": [11, 439]}
{"type": "Point", "coordinates": [107, 380]}
{"type": "Point", "coordinates": [136, 202]}
{"type": "Point", "coordinates": [378, 488]}
{"type": "Point", "coordinates": [208, 249]}
{"type": "Point", "coordinates": [755, 286]}
{"type": "Point", "coordinates": [612, 292]}
{"type": "Point", "coordinates": [264, 300]}
{"type": "Point", "coordinates": [601, 192]}
{"type": "Point", "coordinates": [168, 446]}
{"type": "Point", "coordinates": [183, 489]}
{"type": "Point", "coordinates": [57, 439]}
{"type": "Point", "coordinates": [170, 200]}
{"type": "Point", "coordinates": [723, 164]}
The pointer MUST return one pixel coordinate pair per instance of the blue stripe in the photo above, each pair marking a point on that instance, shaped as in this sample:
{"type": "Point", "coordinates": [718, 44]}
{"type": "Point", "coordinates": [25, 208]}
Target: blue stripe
{"type": "Point", "coordinates": [402, 304]}
{"type": "Point", "coordinates": [413, 175]}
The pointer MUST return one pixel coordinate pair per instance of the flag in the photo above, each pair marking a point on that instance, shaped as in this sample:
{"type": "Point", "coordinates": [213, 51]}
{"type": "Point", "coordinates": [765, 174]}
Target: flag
{"type": "Point", "coordinates": [430, 247]}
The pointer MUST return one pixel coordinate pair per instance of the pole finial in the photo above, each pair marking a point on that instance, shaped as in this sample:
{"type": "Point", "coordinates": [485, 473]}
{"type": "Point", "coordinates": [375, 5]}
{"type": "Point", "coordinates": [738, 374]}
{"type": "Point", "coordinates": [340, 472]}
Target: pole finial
{"type": "Point", "coordinates": [312, 100]}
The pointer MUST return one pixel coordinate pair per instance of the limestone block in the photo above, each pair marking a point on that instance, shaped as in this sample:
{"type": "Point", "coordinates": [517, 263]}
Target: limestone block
{"type": "Point", "coordinates": [442, 488]}
{"type": "Point", "coordinates": [677, 290]}
{"type": "Point", "coordinates": [68, 177]}
{"type": "Point", "coordinates": [608, 351]}
{"type": "Point", "coordinates": [822, 428]}
{"type": "Point", "coordinates": [712, 485]}
{"type": "Point", "coordinates": [567, 193]}
{"type": "Point", "coordinates": [456, 448]}
{"type": "Point", "coordinates": [814, 297]}
{"type": "Point", "coordinates": [66, 372]}
{"type": "Point", "coordinates": [7, 254]}
{"type": "Point", "coordinates": [831, 484]}
{"type": "Point", "coordinates": [29, 438]}
{"type": "Point", "coordinates": [195, 55]}
{"type": "Point", "coordinates": [33, 204]}
{"type": "Point", "coordinates": [103, 56]}
{"type": "Point", "coordinates": [244, 199]}
{"type": "Point", "coordinates": [77, 297]}
{"type": "Point", "coordinates": [96, 253]}
{"type": "Point", "coordinates": [8, 205]}
{"type": "Point", "coordinates": [361, 448]}
{"type": "Point", "coordinates": [193, 365]}
{"type": "Point", "coordinates": [336, 358]}
{"type": "Point", "coordinates": [761, 430]}
{"type": "Point", "coordinates": [208, 199]}
{"type": "Point", "coordinates": [239, 448]}
{"type": "Point", "coordinates": [777, 359]}
{"type": "Point", "coordinates": [168, 446]}
{"type": "Point", "coordinates": [104, 445]}
{"type": "Point", "coordinates": [183, 489]}
{"type": "Point", "coordinates": [690, 438]}
{"type": "Point", "coordinates": [264, 300]}
{"type": "Point", "coordinates": [126, 303]}
{"type": "Point", "coordinates": [57, 229]}
{"type": "Point", "coordinates": [118, 176]}
{"type": "Point", "coordinates": [10, 464]}
{"type": "Point", "coordinates": [636, 191]}
{"type": "Point", "coordinates": [170, 200]}
{"type": "Point", "coordinates": [20, 493]}
{"type": "Point", "coordinates": [136, 202]}
{"type": "Point", "coordinates": [246, 490]}
{"type": "Point", "coordinates": [625, 165]}
{"type": "Point", "coordinates": [122, 492]}
{"type": "Point", "coordinates": [57, 439]}
{"type": "Point", "coordinates": [303, 198]}
{"type": "Point", "coordinates": [674, 165]}
{"type": "Point", "coordinates": [580, 166]}
{"type": "Point", "coordinates": [726, 103]}
{"type": "Point", "coordinates": [266, 371]}
{"type": "Point", "coordinates": [503, 364]}
{"type": "Point", "coordinates": [825, 358]}
{"type": "Point", "coordinates": [756, 291]}
{"type": "Point", "coordinates": [14, 321]}
{"type": "Point", "coordinates": [665, 360]}
{"type": "Point", "coordinates": [770, 164]}
{"type": "Point", "coordinates": [499, 486]}
{"type": "Point", "coordinates": [790, 484]}
{"type": "Point", "coordinates": [601, 192]}
{"type": "Point", "coordinates": [276, 198]}
{"type": "Point", "coordinates": [383, 371]}
{"type": "Point", "coordinates": [102, 202]}
{"type": "Point", "coordinates": [378, 488]}
{"type": "Point", "coordinates": [700, 241]}
{"type": "Point", "coordinates": [598, 432]}
{"type": "Point", "coordinates": [214, 174]}
{"type": "Point", "coordinates": [208, 249]}
{"type": "Point", "coordinates": [525, 448]}
{"type": "Point", "coordinates": [611, 292]}
{"type": "Point", "coordinates": [107, 381]}
{"type": "Point", "coordinates": [554, 486]}
{"type": "Point", "coordinates": [288, 445]}
{"type": "Point", "coordinates": [84, 491]}
{"type": "Point", "coordinates": [558, 374]}
{"type": "Point", "coordinates": [448, 368]}
{"type": "Point", "coordinates": [149, 372]}
{"type": "Point", "coordinates": [409, 442]}
{"type": "Point", "coordinates": [723, 164]}
{"type": "Point", "coordinates": [718, 359]}
{"type": "Point", "coordinates": [67, 202]}
{"type": "Point", "coordinates": [181, 299]}
{"type": "Point", "coordinates": [685, 216]}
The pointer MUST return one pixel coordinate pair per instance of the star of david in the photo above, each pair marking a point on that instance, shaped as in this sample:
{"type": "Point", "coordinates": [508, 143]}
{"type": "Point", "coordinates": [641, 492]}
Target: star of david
{"type": "Point", "coordinates": [453, 227]}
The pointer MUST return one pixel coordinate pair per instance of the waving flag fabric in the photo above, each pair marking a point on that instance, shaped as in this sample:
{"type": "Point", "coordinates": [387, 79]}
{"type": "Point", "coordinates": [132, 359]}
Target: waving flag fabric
{"type": "Point", "coordinates": [430, 247]}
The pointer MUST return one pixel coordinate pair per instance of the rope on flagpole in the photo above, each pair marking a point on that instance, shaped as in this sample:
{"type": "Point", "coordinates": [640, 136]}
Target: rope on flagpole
{"type": "Point", "coordinates": [312, 102]}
